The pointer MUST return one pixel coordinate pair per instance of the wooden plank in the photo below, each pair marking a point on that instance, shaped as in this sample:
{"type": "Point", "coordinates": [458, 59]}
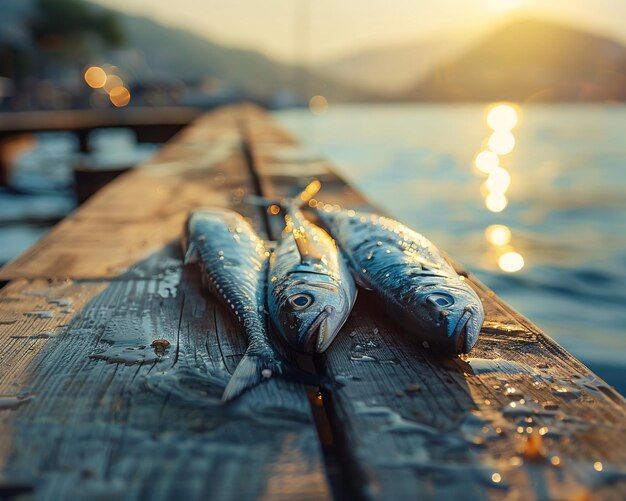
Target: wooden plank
{"type": "Point", "coordinates": [89, 405]}
{"type": "Point", "coordinates": [519, 418]}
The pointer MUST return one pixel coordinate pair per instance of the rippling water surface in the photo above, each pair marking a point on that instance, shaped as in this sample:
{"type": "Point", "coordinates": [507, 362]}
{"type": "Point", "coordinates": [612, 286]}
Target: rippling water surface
{"type": "Point", "coordinates": [552, 213]}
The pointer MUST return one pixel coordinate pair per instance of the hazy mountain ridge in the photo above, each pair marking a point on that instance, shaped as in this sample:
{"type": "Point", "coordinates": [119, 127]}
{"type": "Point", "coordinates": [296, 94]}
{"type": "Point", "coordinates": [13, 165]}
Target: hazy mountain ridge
{"type": "Point", "coordinates": [390, 70]}
{"type": "Point", "coordinates": [530, 60]}
{"type": "Point", "coordinates": [524, 60]}
{"type": "Point", "coordinates": [180, 54]}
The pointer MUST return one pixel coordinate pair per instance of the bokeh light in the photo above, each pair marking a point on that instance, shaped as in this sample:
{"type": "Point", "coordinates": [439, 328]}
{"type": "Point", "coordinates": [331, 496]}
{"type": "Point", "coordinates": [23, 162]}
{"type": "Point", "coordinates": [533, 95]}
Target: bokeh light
{"type": "Point", "coordinates": [502, 142]}
{"type": "Point", "coordinates": [486, 161]}
{"type": "Point", "coordinates": [511, 262]}
{"type": "Point", "coordinates": [502, 117]}
{"type": "Point", "coordinates": [273, 209]}
{"type": "Point", "coordinates": [498, 234]}
{"type": "Point", "coordinates": [495, 202]}
{"type": "Point", "coordinates": [95, 77]}
{"type": "Point", "coordinates": [112, 82]}
{"type": "Point", "coordinates": [318, 105]}
{"type": "Point", "coordinates": [119, 96]}
{"type": "Point", "coordinates": [498, 181]}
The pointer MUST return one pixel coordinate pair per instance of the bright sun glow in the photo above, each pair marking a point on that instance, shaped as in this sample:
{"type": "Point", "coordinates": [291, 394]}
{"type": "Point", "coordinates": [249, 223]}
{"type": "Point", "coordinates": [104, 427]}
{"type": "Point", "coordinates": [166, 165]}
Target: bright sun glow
{"type": "Point", "coordinates": [505, 5]}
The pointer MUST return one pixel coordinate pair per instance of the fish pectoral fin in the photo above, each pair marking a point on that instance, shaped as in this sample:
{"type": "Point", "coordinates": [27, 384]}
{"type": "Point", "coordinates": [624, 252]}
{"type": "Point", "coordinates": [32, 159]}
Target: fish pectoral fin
{"type": "Point", "coordinates": [251, 371]}
{"type": "Point", "coordinates": [191, 255]}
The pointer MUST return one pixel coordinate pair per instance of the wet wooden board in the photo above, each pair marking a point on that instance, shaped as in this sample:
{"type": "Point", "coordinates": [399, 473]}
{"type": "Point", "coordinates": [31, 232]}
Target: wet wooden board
{"type": "Point", "coordinates": [519, 418]}
{"type": "Point", "coordinates": [89, 407]}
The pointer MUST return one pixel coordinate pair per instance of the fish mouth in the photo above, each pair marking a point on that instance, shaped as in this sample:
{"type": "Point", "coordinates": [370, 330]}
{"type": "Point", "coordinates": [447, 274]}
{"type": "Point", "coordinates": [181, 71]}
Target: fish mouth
{"type": "Point", "coordinates": [463, 343]}
{"type": "Point", "coordinates": [316, 338]}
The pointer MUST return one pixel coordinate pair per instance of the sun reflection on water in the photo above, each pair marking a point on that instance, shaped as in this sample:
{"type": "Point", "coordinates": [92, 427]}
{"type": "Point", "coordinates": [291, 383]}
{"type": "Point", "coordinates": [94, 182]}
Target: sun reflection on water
{"type": "Point", "coordinates": [498, 181]}
{"type": "Point", "coordinates": [502, 142]}
{"type": "Point", "coordinates": [486, 161]}
{"type": "Point", "coordinates": [498, 234]}
{"type": "Point", "coordinates": [511, 261]}
{"type": "Point", "coordinates": [501, 119]}
{"type": "Point", "coordinates": [495, 202]}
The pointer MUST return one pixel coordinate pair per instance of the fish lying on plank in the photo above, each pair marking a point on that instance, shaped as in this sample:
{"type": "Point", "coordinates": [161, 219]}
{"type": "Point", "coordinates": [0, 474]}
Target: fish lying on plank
{"type": "Point", "coordinates": [233, 260]}
{"type": "Point", "coordinates": [311, 291]}
{"type": "Point", "coordinates": [416, 284]}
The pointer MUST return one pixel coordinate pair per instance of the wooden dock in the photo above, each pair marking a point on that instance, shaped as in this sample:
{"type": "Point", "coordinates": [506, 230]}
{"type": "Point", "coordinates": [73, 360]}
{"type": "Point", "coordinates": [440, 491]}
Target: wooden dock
{"type": "Point", "coordinates": [92, 407]}
{"type": "Point", "coordinates": [150, 125]}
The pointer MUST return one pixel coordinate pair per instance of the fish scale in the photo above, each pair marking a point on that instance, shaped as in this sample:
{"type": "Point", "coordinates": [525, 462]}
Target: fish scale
{"type": "Point", "coordinates": [417, 284]}
{"type": "Point", "coordinates": [233, 262]}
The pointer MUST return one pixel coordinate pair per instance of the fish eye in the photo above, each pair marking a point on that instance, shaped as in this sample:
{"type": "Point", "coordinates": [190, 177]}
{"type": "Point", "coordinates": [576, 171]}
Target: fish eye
{"type": "Point", "coordinates": [300, 301]}
{"type": "Point", "coordinates": [441, 299]}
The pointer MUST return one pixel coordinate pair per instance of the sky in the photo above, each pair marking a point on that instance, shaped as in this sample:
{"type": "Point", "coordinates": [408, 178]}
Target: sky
{"type": "Point", "coordinates": [324, 29]}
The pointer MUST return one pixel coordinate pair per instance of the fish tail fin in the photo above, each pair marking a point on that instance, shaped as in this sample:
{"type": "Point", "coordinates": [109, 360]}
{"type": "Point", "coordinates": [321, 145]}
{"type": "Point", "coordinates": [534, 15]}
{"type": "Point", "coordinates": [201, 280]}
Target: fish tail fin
{"type": "Point", "coordinates": [254, 368]}
{"type": "Point", "coordinates": [251, 371]}
{"type": "Point", "coordinates": [306, 195]}
{"type": "Point", "coordinates": [300, 200]}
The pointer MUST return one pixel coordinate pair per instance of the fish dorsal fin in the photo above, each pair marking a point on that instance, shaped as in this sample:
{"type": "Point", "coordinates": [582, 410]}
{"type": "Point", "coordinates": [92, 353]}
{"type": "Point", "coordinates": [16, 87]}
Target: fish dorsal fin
{"type": "Point", "coordinates": [306, 247]}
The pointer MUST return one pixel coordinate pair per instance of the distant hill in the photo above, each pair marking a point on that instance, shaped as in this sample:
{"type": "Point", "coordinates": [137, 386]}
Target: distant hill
{"type": "Point", "coordinates": [530, 60]}
{"type": "Point", "coordinates": [390, 70]}
{"type": "Point", "coordinates": [179, 54]}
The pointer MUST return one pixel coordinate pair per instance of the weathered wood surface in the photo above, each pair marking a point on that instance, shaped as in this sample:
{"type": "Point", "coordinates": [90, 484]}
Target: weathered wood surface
{"type": "Point", "coordinates": [519, 418]}
{"type": "Point", "coordinates": [90, 409]}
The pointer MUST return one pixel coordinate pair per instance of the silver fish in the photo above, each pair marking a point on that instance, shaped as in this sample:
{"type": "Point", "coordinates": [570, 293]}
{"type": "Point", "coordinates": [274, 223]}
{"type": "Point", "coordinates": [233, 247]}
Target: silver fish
{"type": "Point", "coordinates": [233, 260]}
{"type": "Point", "coordinates": [416, 284]}
{"type": "Point", "coordinates": [311, 291]}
